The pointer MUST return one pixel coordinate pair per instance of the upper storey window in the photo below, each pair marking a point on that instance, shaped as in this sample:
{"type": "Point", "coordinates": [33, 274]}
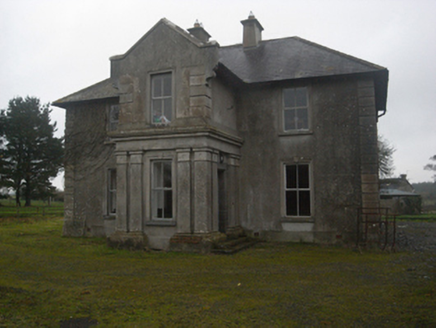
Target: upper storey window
{"type": "Point", "coordinates": [114, 113]}
{"type": "Point", "coordinates": [295, 109]}
{"type": "Point", "coordinates": [161, 99]}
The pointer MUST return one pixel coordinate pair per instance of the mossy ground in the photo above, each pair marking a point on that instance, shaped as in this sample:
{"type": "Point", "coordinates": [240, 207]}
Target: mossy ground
{"type": "Point", "coordinates": [46, 279]}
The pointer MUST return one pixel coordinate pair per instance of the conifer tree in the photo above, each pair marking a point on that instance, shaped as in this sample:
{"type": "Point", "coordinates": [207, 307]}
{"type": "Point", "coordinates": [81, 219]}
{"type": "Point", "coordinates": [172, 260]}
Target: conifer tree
{"type": "Point", "coordinates": [30, 154]}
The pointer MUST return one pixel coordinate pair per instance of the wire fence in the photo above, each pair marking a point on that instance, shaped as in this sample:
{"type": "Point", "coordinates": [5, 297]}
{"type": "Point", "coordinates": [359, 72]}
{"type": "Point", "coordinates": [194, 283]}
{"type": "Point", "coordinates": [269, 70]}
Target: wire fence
{"type": "Point", "coordinates": [39, 210]}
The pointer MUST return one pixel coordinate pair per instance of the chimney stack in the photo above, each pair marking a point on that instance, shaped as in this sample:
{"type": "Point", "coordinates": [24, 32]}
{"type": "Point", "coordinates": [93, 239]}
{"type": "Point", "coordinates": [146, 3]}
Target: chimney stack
{"type": "Point", "coordinates": [199, 32]}
{"type": "Point", "coordinates": [252, 31]}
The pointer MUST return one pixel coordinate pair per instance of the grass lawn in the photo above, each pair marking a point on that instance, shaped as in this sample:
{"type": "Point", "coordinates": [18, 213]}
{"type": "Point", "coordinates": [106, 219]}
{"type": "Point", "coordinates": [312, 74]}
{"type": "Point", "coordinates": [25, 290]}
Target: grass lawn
{"type": "Point", "coordinates": [46, 279]}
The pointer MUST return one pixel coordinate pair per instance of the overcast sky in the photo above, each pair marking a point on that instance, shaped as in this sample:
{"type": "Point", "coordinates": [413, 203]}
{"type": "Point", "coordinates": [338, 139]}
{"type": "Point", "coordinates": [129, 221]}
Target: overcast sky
{"type": "Point", "coordinates": [52, 48]}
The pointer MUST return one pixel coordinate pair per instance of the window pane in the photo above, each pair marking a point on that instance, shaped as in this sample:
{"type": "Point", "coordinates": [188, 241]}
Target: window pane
{"type": "Point", "coordinates": [157, 86]}
{"type": "Point", "coordinates": [289, 119]}
{"type": "Point", "coordinates": [157, 112]}
{"type": "Point", "coordinates": [289, 98]}
{"type": "Point", "coordinates": [304, 203]}
{"type": "Point", "coordinates": [157, 199]}
{"type": "Point", "coordinates": [167, 111]}
{"type": "Point", "coordinates": [112, 201]}
{"type": "Point", "coordinates": [167, 174]}
{"type": "Point", "coordinates": [303, 176]}
{"type": "Point", "coordinates": [167, 85]}
{"type": "Point", "coordinates": [291, 202]}
{"type": "Point", "coordinates": [291, 176]}
{"type": "Point", "coordinates": [302, 119]}
{"type": "Point", "coordinates": [112, 191]}
{"type": "Point", "coordinates": [112, 179]}
{"type": "Point", "coordinates": [300, 97]}
{"type": "Point", "coordinates": [115, 112]}
{"type": "Point", "coordinates": [157, 175]}
{"type": "Point", "coordinates": [168, 209]}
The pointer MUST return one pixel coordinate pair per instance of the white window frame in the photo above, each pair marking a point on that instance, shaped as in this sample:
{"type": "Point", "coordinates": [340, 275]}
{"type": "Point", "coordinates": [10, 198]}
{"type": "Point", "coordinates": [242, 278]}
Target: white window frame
{"type": "Point", "coordinates": [295, 108]}
{"type": "Point", "coordinates": [156, 189]}
{"type": "Point", "coordinates": [298, 189]}
{"type": "Point", "coordinates": [157, 115]}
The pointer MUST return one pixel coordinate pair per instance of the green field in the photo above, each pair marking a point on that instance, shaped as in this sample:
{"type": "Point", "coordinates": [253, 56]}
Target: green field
{"type": "Point", "coordinates": [46, 279]}
{"type": "Point", "coordinates": [430, 217]}
{"type": "Point", "coordinates": [8, 209]}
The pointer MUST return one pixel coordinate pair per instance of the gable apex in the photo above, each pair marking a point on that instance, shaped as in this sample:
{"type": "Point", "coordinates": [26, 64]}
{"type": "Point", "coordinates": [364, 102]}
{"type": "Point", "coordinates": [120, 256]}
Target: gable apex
{"type": "Point", "coordinates": [175, 28]}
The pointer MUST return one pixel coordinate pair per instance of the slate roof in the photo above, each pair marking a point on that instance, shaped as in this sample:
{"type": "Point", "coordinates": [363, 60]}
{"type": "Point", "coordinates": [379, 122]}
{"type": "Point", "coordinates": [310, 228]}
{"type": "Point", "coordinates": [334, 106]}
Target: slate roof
{"type": "Point", "coordinates": [272, 60]}
{"type": "Point", "coordinates": [388, 193]}
{"type": "Point", "coordinates": [101, 90]}
{"type": "Point", "coordinates": [289, 58]}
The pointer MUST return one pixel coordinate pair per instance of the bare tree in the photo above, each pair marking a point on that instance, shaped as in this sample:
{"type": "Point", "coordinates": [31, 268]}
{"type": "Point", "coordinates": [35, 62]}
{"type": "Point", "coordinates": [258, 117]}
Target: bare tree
{"type": "Point", "coordinates": [431, 167]}
{"type": "Point", "coordinates": [385, 161]}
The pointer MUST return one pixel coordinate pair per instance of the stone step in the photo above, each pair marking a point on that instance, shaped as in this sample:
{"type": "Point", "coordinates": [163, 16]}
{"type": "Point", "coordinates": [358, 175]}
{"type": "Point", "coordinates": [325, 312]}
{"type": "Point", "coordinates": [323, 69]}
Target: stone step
{"type": "Point", "coordinates": [233, 245]}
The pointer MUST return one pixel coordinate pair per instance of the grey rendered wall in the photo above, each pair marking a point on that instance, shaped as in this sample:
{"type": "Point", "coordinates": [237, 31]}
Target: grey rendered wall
{"type": "Point", "coordinates": [165, 50]}
{"type": "Point", "coordinates": [88, 157]}
{"type": "Point", "coordinates": [202, 128]}
{"type": "Point", "coordinates": [331, 147]}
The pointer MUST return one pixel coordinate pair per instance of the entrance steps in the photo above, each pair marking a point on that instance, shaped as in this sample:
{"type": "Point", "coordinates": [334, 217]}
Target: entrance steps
{"type": "Point", "coordinates": [232, 245]}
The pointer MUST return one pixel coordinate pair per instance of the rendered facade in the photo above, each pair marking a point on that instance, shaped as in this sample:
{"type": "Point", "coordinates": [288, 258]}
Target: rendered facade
{"type": "Point", "coordinates": [187, 140]}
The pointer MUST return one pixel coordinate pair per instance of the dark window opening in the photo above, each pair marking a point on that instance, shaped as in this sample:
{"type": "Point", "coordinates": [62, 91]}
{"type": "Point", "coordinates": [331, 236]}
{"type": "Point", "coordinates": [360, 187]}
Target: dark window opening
{"type": "Point", "coordinates": [297, 190]}
{"type": "Point", "coordinates": [112, 191]}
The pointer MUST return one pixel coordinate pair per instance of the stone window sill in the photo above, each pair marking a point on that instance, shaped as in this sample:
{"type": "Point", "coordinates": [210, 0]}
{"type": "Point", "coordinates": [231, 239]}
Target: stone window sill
{"type": "Point", "coordinates": [109, 217]}
{"type": "Point", "coordinates": [295, 133]}
{"type": "Point", "coordinates": [297, 219]}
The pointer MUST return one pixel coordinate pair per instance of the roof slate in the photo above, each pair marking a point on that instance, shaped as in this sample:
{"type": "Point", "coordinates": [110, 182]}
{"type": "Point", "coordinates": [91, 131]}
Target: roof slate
{"type": "Point", "coordinates": [272, 60]}
{"type": "Point", "coordinates": [101, 90]}
{"type": "Point", "coordinates": [289, 58]}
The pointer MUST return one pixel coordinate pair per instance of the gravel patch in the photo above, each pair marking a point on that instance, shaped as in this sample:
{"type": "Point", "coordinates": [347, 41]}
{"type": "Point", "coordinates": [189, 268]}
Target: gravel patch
{"type": "Point", "coordinates": [416, 236]}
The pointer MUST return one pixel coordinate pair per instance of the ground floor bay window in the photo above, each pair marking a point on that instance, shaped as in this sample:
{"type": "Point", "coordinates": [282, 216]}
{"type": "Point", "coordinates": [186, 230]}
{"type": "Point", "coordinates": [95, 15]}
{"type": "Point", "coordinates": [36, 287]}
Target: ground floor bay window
{"type": "Point", "coordinates": [162, 190]}
{"type": "Point", "coordinates": [297, 190]}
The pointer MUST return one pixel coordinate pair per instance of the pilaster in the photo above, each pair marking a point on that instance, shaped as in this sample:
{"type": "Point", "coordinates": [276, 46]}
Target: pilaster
{"type": "Point", "coordinates": [135, 191]}
{"type": "Point", "coordinates": [184, 191]}
{"type": "Point", "coordinates": [202, 190]}
{"type": "Point", "coordinates": [122, 195]}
